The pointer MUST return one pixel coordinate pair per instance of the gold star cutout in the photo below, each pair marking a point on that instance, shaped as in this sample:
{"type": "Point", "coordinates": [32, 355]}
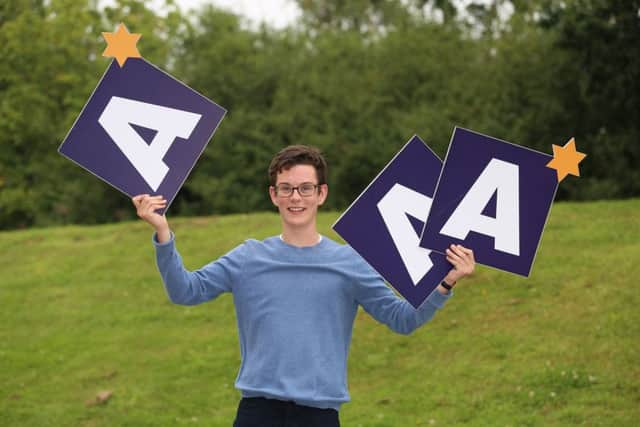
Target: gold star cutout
{"type": "Point", "coordinates": [566, 159]}
{"type": "Point", "coordinates": [121, 45]}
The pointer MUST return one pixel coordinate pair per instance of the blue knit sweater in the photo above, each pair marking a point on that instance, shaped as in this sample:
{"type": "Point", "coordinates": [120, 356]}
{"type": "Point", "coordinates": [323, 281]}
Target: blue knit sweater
{"type": "Point", "coordinates": [295, 309]}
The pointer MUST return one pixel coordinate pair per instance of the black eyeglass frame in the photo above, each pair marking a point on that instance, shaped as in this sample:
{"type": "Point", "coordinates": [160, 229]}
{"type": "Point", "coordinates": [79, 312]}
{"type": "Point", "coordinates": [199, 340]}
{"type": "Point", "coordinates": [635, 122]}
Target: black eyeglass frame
{"type": "Point", "coordinates": [315, 187]}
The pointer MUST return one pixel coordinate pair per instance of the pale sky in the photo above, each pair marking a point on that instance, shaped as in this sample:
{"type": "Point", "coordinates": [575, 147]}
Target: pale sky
{"type": "Point", "coordinates": [280, 13]}
{"type": "Point", "coordinates": [277, 13]}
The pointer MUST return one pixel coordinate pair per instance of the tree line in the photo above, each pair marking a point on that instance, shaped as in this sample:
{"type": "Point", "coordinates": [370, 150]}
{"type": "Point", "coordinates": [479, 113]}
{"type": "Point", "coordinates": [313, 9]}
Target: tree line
{"type": "Point", "coordinates": [356, 79]}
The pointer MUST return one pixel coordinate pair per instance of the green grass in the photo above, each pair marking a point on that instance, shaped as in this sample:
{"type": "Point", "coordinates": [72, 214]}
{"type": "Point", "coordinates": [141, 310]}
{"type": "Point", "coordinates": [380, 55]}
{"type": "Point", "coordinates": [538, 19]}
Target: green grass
{"type": "Point", "coordinates": [83, 310]}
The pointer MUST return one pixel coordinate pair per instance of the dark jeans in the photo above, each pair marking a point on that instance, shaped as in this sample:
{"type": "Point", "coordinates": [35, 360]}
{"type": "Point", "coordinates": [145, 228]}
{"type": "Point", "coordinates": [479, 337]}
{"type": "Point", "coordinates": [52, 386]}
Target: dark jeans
{"type": "Point", "coordinates": [261, 412]}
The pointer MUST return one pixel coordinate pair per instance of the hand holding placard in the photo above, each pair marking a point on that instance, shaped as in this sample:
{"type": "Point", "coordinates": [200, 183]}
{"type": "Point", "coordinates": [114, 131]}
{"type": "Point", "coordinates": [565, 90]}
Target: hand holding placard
{"type": "Point", "coordinates": [142, 130]}
{"type": "Point", "coordinates": [490, 195]}
{"type": "Point", "coordinates": [494, 197]}
{"type": "Point", "coordinates": [383, 224]}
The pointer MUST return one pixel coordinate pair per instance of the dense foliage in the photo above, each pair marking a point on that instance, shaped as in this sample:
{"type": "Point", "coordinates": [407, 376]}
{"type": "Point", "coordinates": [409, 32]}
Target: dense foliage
{"type": "Point", "coordinates": [356, 79]}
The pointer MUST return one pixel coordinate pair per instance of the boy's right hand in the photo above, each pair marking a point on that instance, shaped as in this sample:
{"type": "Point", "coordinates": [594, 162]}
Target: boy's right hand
{"type": "Point", "coordinates": [146, 207]}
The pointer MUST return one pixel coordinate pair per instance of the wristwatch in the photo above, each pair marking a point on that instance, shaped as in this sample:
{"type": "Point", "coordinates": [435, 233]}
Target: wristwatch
{"type": "Point", "coordinates": [446, 285]}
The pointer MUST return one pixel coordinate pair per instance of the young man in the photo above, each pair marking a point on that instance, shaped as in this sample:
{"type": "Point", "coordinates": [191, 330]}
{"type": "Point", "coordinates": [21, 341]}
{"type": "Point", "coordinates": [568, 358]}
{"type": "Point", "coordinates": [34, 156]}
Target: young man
{"type": "Point", "coordinates": [296, 296]}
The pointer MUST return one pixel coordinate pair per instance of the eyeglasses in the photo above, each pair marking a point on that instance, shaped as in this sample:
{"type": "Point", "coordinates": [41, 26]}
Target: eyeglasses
{"type": "Point", "coordinates": [306, 189]}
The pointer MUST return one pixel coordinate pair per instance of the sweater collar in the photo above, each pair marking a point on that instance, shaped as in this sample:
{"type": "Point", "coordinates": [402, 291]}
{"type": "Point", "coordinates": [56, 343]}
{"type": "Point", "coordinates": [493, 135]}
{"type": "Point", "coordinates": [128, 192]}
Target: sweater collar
{"type": "Point", "coordinates": [320, 239]}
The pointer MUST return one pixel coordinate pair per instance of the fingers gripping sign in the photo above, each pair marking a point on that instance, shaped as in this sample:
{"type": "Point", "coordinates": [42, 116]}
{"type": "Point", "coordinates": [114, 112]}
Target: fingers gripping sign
{"type": "Point", "coordinates": [462, 260]}
{"type": "Point", "coordinates": [146, 207]}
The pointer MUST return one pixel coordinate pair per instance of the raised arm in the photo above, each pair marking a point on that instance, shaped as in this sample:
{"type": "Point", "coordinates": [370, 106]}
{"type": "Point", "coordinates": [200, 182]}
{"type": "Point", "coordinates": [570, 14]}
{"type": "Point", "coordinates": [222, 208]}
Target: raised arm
{"type": "Point", "coordinates": [183, 286]}
{"type": "Point", "coordinates": [400, 316]}
{"type": "Point", "coordinates": [386, 307]}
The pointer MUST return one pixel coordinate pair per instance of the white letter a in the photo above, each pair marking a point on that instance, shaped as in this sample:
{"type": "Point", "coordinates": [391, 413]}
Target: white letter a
{"type": "Point", "coordinates": [498, 177]}
{"type": "Point", "coordinates": [146, 158]}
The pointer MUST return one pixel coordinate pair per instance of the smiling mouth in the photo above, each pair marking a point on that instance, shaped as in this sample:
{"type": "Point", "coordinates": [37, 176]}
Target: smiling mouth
{"type": "Point", "coordinates": [296, 209]}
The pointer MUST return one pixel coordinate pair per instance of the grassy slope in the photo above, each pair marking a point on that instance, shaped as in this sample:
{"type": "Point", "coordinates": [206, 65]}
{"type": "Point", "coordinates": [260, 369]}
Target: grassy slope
{"type": "Point", "coordinates": [83, 310]}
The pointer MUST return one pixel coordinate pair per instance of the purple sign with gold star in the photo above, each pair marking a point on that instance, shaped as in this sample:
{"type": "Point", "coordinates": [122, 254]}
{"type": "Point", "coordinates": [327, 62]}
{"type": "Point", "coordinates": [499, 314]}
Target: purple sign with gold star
{"type": "Point", "coordinates": [141, 130]}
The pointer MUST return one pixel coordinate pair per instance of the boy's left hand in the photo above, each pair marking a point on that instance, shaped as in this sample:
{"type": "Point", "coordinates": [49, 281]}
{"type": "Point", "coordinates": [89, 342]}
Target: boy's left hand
{"type": "Point", "coordinates": [463, 263]}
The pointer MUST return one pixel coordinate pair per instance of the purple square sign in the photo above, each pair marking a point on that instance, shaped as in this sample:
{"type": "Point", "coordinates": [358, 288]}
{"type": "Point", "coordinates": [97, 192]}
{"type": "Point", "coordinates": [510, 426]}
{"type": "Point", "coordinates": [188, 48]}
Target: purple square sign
{"type": "Point", "coordinates": [384, 223]}
{"type": "Point", "coordinates": [493, 197]}
{"type": "Point", "coordinates": [142, 130]}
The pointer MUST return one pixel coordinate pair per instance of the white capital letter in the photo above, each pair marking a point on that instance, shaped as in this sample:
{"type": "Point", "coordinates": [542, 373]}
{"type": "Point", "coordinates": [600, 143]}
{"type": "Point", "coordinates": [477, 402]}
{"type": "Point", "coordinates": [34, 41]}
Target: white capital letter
{"type": "Point", "coordinates": [168, 122]}
{"type": "Point", "coordinates": [393, 207]}
{"type": "Point", "coordinates": [498, 177]}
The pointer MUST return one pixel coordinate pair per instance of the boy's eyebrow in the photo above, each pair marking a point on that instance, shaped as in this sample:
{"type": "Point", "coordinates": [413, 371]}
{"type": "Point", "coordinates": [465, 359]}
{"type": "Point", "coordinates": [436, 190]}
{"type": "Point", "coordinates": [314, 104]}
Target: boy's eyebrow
{"type": "Point", "coordinates": [304, 182]}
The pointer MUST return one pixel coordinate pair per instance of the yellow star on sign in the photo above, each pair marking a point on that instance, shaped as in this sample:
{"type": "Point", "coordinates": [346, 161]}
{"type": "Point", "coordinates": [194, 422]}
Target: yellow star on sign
{"type": "Point", "coordinates": [566, 159]}
{"type": "Point", "coordinates": [121, 45]}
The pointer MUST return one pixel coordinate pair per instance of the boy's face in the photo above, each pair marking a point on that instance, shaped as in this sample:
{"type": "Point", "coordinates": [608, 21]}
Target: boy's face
{"type": "Point", "coordinates": [296, 210]}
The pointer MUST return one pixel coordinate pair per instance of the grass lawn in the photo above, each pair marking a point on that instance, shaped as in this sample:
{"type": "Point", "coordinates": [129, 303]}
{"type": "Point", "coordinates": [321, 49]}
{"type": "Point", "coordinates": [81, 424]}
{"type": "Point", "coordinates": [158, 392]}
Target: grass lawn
{"type": "Point", "coordinates": [84, 311]}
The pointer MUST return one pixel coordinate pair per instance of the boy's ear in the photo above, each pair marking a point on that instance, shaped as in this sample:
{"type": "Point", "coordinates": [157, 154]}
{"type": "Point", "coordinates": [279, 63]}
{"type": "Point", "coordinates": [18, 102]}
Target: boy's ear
{"type": "Point", "coordinates": [324, 192]}
{"type": "Point", "coordinates": [272, 194]}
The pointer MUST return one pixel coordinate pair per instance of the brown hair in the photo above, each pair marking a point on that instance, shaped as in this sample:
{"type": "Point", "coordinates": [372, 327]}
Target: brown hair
{"type": "Point", "coordinates": [298, 155]}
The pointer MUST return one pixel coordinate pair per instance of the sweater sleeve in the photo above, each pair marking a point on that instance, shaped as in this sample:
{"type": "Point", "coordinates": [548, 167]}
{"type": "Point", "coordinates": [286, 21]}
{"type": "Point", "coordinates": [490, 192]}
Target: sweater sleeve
{"type": "Point", "coordinates": [194, 287]}
{"type": "Point", "coordinates": [386, 307]}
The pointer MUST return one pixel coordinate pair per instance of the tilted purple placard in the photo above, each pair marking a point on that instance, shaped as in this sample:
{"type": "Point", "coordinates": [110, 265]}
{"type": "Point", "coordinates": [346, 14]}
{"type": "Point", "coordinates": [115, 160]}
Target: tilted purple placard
{"type": "Point", "coordinates": [89, 145]}
{"type": "Point", "coordinates": [415, 166]}
{"type": "Point", "coordinates": [468, 155]}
